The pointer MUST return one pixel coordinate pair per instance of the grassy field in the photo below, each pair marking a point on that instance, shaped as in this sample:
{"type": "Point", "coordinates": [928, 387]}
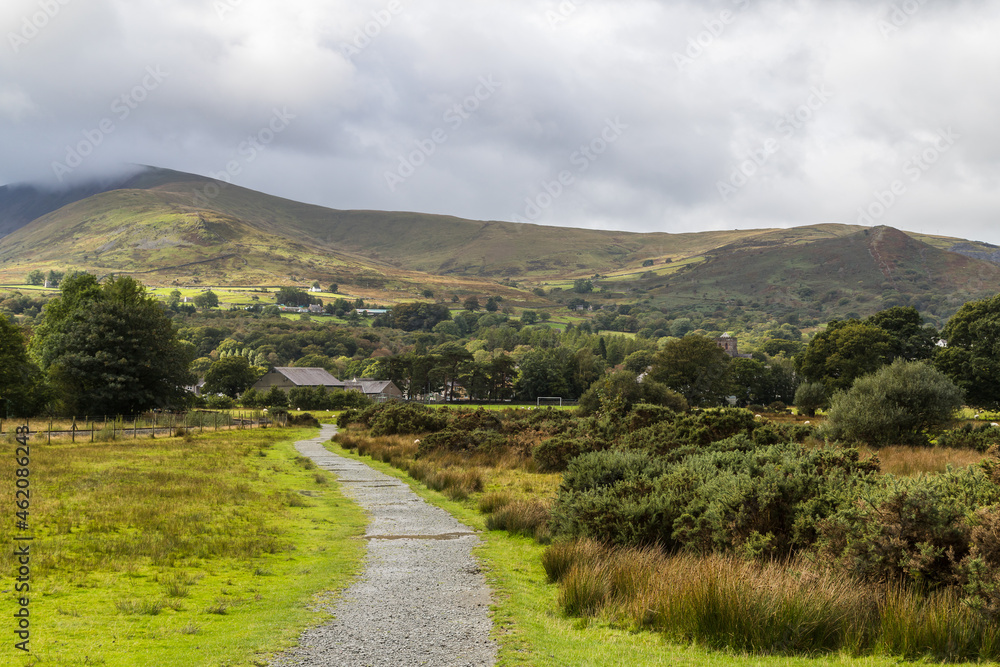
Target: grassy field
{"type": "Point", "coordinates": [205, 550]}
{"type": "Point", "coordinates": [530, 629]}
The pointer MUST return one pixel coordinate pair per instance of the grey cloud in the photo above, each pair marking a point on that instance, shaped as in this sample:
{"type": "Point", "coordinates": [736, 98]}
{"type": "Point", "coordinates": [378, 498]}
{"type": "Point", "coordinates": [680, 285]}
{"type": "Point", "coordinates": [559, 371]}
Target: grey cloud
{"type": "Point", "coordinates": [701, 92]}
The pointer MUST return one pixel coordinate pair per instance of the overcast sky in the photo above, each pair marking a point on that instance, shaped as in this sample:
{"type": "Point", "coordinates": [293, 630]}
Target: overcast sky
{"type": "Point", "coordinates": [639, 115]}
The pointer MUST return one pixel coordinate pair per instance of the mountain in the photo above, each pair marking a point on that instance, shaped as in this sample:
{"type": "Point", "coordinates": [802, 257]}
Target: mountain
{"type": "Point", "coordinates": [169, 227]}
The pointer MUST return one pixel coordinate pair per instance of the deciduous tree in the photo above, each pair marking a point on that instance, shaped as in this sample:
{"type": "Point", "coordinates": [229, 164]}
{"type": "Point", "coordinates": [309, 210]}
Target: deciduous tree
{"type": "Point", "coordinates": [972, 356]}
{"type": "Point", "coordinates": [110, 349]}
{"type": "Point", "coordinates": [694, 366]}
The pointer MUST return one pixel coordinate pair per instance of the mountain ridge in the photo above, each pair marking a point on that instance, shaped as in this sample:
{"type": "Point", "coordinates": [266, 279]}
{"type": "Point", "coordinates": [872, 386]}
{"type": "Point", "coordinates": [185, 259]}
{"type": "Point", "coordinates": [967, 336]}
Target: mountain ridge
{"type": "Point", "coordinates": [177, 228]}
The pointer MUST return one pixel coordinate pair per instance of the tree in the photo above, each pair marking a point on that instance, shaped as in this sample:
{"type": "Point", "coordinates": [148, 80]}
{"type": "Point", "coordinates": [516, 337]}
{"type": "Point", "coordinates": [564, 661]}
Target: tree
{"type": "Point", "coordinates": [293, 296]}
{"type": "Point", "coordinates": [544, 372]}
{"type": "Point", "coordinates": [583, 286]}
{"type": "Point", "coordinates": [22, 390]}
{"type": "Point", "coordinates": [275, 398]}
{"type": "Point", "coordinates": [694, 366]}
{"type": "Point", "coordinates": [972, 356]}
{"type": "Point", "coordinates": [911, 338]}
{"type": "Point", "coordinates": [639, 361]}
{"type": "Point", "coordinates": [110, 349]}
{"type": "Point", "coordinates": [618, 392]}
{"type": "Point", "coordinates": [35, 277]}
{"type": "Point", "coordinates": [810, 397]}
{"type": "Point", "coordinates": [894, 405]}
{"type": "Point", "coordinates": [529, 317]}
{"type": "Point", "coordinates": [471, 304]}
{"type": "Point", "coordinates": [231, 376]}
{"type": "Point", "coordinates": [208, 299]}
{"type": "Point", "coordinates": [416, 316]}
{"type": "Point", "coordinates": [844, 351]}
{"type": "Point", "coordinates": [332, 289]}
{"type": "Point", "coordinates": [452, 356]}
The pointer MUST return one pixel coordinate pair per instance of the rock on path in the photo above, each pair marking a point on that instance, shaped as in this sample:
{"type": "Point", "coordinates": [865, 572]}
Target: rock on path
{"type": "Point", "coordinates": [421, 600]}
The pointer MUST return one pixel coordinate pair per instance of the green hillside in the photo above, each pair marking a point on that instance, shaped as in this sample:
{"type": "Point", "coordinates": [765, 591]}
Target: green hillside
{"type": "Point", "coordinates": [171, 228]}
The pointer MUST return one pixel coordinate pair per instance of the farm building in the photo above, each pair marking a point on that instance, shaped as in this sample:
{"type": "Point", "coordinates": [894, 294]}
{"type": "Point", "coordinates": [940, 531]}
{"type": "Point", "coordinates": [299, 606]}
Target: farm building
{"type": "Point", "coordinates": [289, 378]}
{"type": "Point", "coordinates": [379, 390]}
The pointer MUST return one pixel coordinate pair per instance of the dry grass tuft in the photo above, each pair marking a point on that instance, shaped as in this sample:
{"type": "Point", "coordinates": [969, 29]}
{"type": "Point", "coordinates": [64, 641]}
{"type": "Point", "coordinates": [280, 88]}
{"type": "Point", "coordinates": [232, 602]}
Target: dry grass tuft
{"type": "Point", "coordinates": [912, 461]}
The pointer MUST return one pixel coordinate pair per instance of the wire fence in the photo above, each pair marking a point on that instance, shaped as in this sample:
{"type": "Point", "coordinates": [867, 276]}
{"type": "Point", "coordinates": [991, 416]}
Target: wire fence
{"type": "Point", "coordinates": [146, 425]}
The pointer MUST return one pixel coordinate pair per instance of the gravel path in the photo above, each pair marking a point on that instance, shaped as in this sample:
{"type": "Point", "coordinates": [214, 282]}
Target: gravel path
{"type": "Point", "coordinates": [421, 600]}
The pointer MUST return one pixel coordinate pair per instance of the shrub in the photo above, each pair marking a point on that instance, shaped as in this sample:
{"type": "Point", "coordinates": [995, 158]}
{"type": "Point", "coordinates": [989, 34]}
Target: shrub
{"type": "Point", "coordinates": [219, 402]}
{"type": "Point", "coordinates": [968, 436]}
{"type": "Point", "coordinates": [729, 496]}
{"type": "Point", "coordinates": [894, 405]}
{"type": "Point", "coordinates": [455, 440]}
{"type": "Point", "coordinates": [916, 529]}
{"type": "Point", "coordinates": [554, 454]}
{"type": "Point", "coordinates": [403, 418]}
{"type": "Point", "coordinates": [304, 419]}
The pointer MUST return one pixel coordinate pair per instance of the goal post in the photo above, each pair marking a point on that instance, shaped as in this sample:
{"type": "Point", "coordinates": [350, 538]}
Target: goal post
{"type": "Point", "coordinates": [548, 400]}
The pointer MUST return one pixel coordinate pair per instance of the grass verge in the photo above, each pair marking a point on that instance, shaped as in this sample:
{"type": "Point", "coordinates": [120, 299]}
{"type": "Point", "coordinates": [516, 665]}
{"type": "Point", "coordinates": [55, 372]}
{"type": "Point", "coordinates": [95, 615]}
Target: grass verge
{"type": "Point", "coordinates": [205, 550]}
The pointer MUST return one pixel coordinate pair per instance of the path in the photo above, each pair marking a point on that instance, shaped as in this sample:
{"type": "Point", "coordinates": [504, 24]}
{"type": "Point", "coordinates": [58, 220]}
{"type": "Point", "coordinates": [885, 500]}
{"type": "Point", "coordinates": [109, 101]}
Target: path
{"type": "Point", "coordinates": [421, 599]}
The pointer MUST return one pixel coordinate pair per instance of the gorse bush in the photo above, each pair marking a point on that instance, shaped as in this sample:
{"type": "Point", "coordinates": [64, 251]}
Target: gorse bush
{"type": "Point", "coordinates": [920, 530]}
{"type": "Point", "coordinates": [402, 418]}
{"type": "Point", "coordinates": [554, 454]}
{"type": "Point", "coordinates": [729, 496]}
{"type": "Point", "coordinates": [968, 436]}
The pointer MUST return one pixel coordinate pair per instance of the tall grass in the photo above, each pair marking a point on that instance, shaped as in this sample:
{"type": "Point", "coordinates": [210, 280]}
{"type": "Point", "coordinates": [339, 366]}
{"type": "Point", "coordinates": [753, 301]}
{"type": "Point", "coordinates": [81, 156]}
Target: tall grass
{"type": "Point", "coordinates": [912, 461]}
{"type": "Point", "coordinates": [765, 608]}
{"type": "Point", "coordinates": [456, 476]}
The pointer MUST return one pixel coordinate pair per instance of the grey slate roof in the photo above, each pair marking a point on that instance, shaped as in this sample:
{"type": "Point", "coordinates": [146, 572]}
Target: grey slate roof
{"type": "Point", "coordinates": [310, 377]}
{"type": "Point", "coordinates": [368, 387]}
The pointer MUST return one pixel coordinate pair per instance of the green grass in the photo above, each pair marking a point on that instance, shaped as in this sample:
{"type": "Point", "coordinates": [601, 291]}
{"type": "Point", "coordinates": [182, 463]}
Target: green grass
{"type": "Point", "coordinates": [208, 550]}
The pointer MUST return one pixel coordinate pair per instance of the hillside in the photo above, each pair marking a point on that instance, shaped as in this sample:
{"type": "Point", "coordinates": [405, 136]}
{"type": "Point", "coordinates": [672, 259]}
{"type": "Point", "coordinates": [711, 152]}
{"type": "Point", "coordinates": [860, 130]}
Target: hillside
{"type": "Point", "coordinates": [840, 276]}
{"type": "Point", "coordinates": [169, 227]}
